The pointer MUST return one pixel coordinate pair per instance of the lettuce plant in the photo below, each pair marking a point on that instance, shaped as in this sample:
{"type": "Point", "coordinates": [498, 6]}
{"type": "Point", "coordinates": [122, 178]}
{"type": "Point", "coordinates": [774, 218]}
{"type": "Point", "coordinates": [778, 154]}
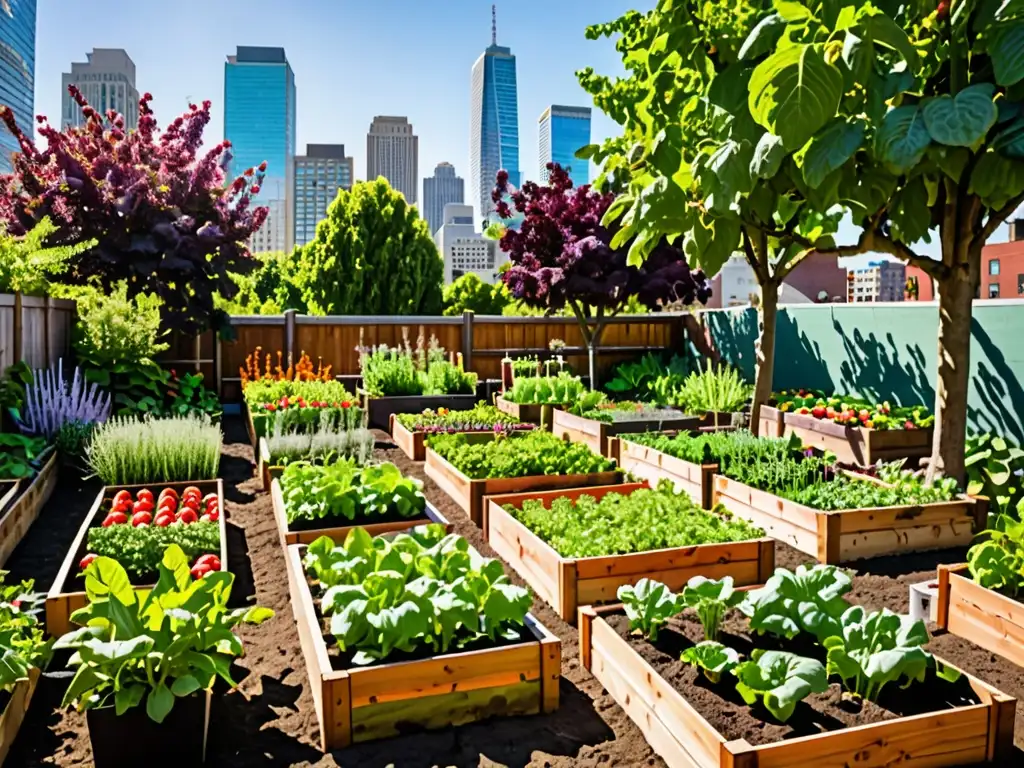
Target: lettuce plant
{"type": "Point", "coordinates": [878, 648]}
{"type": "Point", "coordinates": [560, 389]}
{"type": "Point", "coordinates": [518, 455]}
{"type": "Point", "coordinates": [809, 599]}
{"type": "Point", "coordinates": [343, 489]}
{"type": "Point", "coordinates": [712, 659]}
{"type": "Point", "coordinates": [779, 680]}
{"type": "Point", "coordinates": [997, 562]}
{"type": "Point", "coordinates": [710, 600]}
{"type": "Point", "coordinates": [648, 605]}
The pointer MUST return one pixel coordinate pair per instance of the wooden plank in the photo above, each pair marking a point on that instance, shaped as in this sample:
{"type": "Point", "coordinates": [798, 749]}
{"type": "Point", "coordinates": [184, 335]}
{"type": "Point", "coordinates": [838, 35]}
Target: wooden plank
{"type": "Point", "coordinates": [942, 596]}
{"type": "Point", "coordinates": [986, 618]}
{"type": "Point", "coordinates": [546, 497]}
{"type": "Point", "coordinates": [450, 480]}
{"type": "Point", "coordinates": [906, 539]}
{"type": "Point", "coordinates": [14, 713]}
{"type": "Point", "coordinates": [908, 516]}
{"type": "Point", "coordinates": [668, 559]}
{"type": "Point", "coordinates": [411, 443]}
{"type": "Point", "coordinates": [526, 552]}
{"type": "Point", "coordinates": [785, 530]}
{"type": "Point", "coordinates": [653, 465]}
{"type": "Point", "coordinates": [20, 514]}
{"type": "Point", "coordinates": [859, 445]}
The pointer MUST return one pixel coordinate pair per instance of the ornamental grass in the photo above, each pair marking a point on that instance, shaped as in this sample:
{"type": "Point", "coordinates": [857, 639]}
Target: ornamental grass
{"type": "Point", "coordinates": [129, 451]}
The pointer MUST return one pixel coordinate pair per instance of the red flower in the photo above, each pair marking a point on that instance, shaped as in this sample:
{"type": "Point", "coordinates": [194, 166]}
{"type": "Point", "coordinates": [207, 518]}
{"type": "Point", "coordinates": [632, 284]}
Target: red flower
{"type": "Point", "coordinates": [346, 404]}
{"type": "Point", "coordinates": [263, 166]}
{"type": "Point", "coordinates": [16, 603]}
{"type": "Point", "coordinates": [270, 407]}
{"type": "Point", "coordinates": [255, 189]}
{"type": "Point", "coordinates": [249, 172]}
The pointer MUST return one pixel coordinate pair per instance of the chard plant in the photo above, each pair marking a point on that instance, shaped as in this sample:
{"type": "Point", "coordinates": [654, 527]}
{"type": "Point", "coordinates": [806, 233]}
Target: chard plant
{"type": "Point", "coordinates": [809, 599]}
{"type": "Point", "coordinates": [779, 681]}
{"type": "Point", "coordinates": [649, 605]}
{"type": "Point", "coordinates": [712, 659]}
{"type": "Point", "coordinates": [710, 600]}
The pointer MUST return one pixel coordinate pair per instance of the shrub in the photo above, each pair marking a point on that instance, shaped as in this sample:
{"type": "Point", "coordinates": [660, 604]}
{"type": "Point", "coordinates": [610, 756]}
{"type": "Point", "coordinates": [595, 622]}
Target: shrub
{"type": "Point", "coordinates": [113, 328]}
{"type": "Point", "coordinates": [403, 370]}
{"type": "Point", "coordinates": [470, 293]}
{"type": "Point", "coordinates": [129, 451]}
{"type": "Point", "coordinates": [718, 390]}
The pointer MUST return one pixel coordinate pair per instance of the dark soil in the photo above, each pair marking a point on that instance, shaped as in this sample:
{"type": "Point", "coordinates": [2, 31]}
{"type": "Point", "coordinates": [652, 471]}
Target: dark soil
{"type": "Point", "coordinates": [270, 719]}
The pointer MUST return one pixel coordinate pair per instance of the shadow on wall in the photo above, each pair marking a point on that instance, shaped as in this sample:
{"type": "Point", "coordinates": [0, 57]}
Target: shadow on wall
{"type": "Point", "coordinates": [997, 387]}
{"type": "Point", "coordinates": [732, 333]}
{"type": "Point", "coordinates": [875, 370]}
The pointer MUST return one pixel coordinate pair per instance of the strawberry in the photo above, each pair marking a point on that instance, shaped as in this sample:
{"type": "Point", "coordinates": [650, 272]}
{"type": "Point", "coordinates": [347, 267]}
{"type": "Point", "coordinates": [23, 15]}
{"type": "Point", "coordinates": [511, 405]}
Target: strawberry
{"type": "Point", "coordinates": [804, 411]}
{"type": "Point", "coordinates": [87, 560]}
{"type": "Point", "coordinates": [192, 490]}
{"type": "Point", "coordinates": [909, 424]}
{"type": "Point", "coordinates": [122, 506]}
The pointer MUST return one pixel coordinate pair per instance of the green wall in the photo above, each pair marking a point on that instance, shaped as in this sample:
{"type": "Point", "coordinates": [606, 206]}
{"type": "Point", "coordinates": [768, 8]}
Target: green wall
{"type": "Point", "coordinates": [887, 351]}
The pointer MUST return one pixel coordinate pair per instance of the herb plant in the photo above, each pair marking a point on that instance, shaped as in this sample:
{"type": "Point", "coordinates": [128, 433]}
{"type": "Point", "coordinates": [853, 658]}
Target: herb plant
{"type": "Point", "coordinates": [422, 589]}
{"type": "Point", "coordinates": [480, 418]}
{"type": "Point", "coordinates": [779, 680]}
{"type": "Point", "coordinates": [50, 401]}
{"type": "Point", "coordinates": [713, 659]}
{"type": "Point", "coordinates": [809, 599]}
{"type": "Point", "coordinates": [525, 366]}
{"type": "Point", "coordinates": [561, 389]}
{"type": "Point", "coordinates": [23, 645]}
{"type": "Point", "coordinates": [719, 390]}
{"type": "Point", "coordinates": [139, 549]}
{"type": "Point", "coordinates": [342, 489]}
{"type": "Point", "coordinates": [641, 521]}
{"type": "Point", "coordinates": [167, 643]}
{"type": "Point", "coordinates": [397, 371]}
{"type": "Point", "coordinates": [592, 405]}
{"type": "Point", "coordinates": [711, 447]}
{"type": "Point", "coordinates": [649, 605]}
{"type": "Point", "coordinates": [710, 600]}
{"type": "Point", "coordinates": [338, 434]}
{"type": "Point", "coordinates": [518, 455]}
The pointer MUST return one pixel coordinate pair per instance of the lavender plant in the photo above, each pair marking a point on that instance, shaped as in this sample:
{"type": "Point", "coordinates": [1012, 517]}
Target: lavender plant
{"type": "Point", "coordinates": [51, 402]}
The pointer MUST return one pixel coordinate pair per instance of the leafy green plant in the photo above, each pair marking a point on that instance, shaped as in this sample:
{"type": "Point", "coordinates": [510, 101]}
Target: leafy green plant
{"type": "Point", "coordinates": [139, 549]}
{"type": "Point", "coordinates": [167, 643]}
{"type": "Point", "coordinates": [637, 379]}
{"type": "Point", "coordinates": [713, 659]}
{"type": "Point", "coordinates": [23, 645]}
{"type": "Point", "coordinates": [15, 380]}
{"type": "Point", "coordinates": [561, 389]}
{"type": "Point", "coordinates": [997, 561]}
{"type": "Point", "coordinates": [878, 648]}
{"type": "Point", "coordinates": [719, 390]}
{"type": "Point", "coordinates": [342, 489]}
{"type": "Point", "coordinates": [480, 418]}
{"type": "Point", "coordinates": [19, 455]}
{"type": "Point", "coordinates": [711, 447]}
{"type": "Point", "coordinates": [447, 378]}
{"type": "Point", "coordinates": [710, 600]}
{"type": "Point", "coordinates": [526, 366]}
{"type": "Point", "coordinates": [779, 680]}
{"type": "Point", "coordinates": [405, 371]}
{"type": "Point", "coordinates": [518, 455]}
{"type": "Point", "coordinates": [995, 467]}
{"type": "Point", "coordinates": [261, 392]}
{"type": "Point", "coordinates": [129, 451]}
{"type": "Point", "coordinates": [641, 521]}
{"type": "Point", "coordinates": [190, 395]}
{"type": "Point", "coordinates": [73, 438]}
{"type": "Point", "coordinates": [616, 412]}
{"type": "Point", "coordinates": [422, 589]}
{"type": "Point", "coordinates": [846, 492]}
{"type": "Point", "coordinates": [27, 264]}
{"type": "Point", "coordinates": [809, 599]}
{"type": "Point", "coordinates": [649, 605]}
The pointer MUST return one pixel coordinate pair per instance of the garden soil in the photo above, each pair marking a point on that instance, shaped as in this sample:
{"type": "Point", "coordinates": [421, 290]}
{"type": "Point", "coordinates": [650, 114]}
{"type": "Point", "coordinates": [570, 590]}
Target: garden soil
{"type": "Point", "coordinates": [270, 720]}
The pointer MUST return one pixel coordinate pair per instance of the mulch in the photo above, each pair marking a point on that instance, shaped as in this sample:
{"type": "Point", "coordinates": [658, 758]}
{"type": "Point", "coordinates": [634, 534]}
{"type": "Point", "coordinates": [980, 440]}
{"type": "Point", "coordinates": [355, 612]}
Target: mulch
{"type": "Point", "coordinates": [270, 719]}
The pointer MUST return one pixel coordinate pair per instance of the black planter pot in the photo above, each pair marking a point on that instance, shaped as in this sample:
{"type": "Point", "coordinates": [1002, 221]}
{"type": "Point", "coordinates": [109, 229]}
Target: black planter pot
{"type": "Point", "coordinates": [133, 740]}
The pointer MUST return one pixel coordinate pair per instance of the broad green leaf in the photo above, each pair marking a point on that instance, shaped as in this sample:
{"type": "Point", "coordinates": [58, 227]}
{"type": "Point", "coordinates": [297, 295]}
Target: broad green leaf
{"type": "Point", "coordinates": [791, 11]}
{"type": "Point", "coordinates": [184, 686]}
{"type": "Point", "coordinates": [711, 241]}
{"type": "Point", "coordinates": [106, 576]}
{"type": "Point", "coordinates": [763, 37]}
{"type": "Point", "coordinates": [1007, 53]}
{"type": "Point", "coordinates": [779, 680]}
{"type": "Point", "coordinates": [874, 25]}
{"type": "Point", "coordinates": [768, 156]}
{"type": "Point", "coordinates": [805, 600]}
{"type": "Point", "coordinates": [795, 92]}
{"type": "Point", "coordinates": [909, 212]}
{"type": "Point", "coordinates": [902, 139]}
{"type": "Point", "coordinates": [713, 659]}
{"type": "Point", "coordinates": [85, 679]}
{"type": "Point", "coordinates": [859, 58]}
{"type": "Point", "coordinates": [829, 150]}
{"type": "Point", "coordinates": [711, 600]}
{"type": "Point", "coordinates": [997, 179]}
{"type": "Point", "coordinates": [1009, 140]}
{"type": "Point", "coordinates": [128, 697]}
{"type": "Point", "coordinates": [648, 605]}
{"type": "Point", "coordinates": [963, 120]}
{"type": "Point", "coordinates": [159, 703]}
{"type": "Point", "coordinates": [113, 651]}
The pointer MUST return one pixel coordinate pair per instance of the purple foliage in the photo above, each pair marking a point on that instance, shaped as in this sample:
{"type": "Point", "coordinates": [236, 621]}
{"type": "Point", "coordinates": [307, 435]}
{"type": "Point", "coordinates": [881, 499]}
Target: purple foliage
{"type": "Point", "coordinates": [562, 254]}
{"type": "Point", "coordinates": [51, 402]}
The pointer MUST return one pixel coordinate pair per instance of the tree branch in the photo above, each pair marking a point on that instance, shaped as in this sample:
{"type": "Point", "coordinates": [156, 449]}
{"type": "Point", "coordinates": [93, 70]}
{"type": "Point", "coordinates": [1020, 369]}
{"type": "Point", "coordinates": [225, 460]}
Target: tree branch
{"type": "Point", "coordinates": [998, 217]}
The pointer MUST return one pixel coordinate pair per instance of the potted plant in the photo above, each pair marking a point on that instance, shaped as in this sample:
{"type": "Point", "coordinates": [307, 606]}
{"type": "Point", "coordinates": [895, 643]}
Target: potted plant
{"type": "Point", "coordinates": [146, 662]}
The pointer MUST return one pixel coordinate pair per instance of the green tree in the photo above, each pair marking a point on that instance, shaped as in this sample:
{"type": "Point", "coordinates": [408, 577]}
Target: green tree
{"type": "Point", "coordinates": [26, 263]}
{"type": "Point", "coordinates": [372, 255]}
{"type": "Point", "coordinates": [470, 293]}
{"type": "Point", "coordinates": [274, 287]}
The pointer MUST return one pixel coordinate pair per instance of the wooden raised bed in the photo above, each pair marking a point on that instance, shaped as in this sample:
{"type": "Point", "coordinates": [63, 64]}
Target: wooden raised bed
{"type": "Point", "coordinates": [985, 617]}
{"type": "Point", "coordinates": [14, 713]}
{"type": "Point", "coordinates": [366, 703]}
{"type": "Point", "coordinates": [414, 444]}
{"type": "Point", "coordinates": [859, 445]}
{"type": "Point", "coordinates": [535, 413]}
{"type": "Point", "coordinates": [338, 533]}
{"type": "Point", "coordinates": [469, 493]}
{"type": "Point", "coordinates": [67, 594]}
{"type": "Point", "coordinates": [976, 733]}
{"type": "Point", "coordinates": [597, 434]}
{"type": "Point", "coordinates": [853, 534]}
{"type": "Point", "coordinates": [379, 409]}
{"type": "Point", "coordinates": [566, 583]}
{"type": "Point", "coordinates": [654, 465]}
{"type": "Point", "coordinates": [770, 422]}
{"type": "Point", "coordinates": [15, 523]}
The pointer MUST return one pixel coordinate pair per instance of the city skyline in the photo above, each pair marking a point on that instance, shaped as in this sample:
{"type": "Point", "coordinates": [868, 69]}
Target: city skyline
{"type": "Point", "coordinates": [17, 71]}
{"type": "Point", "coordinates": [393, 151]}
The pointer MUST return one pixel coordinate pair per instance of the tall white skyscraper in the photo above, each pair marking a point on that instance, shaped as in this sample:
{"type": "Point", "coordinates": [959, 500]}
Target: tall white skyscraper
{"type": "Point", "coordinates": [393, 151]}
{"type": "Point", "coordinates": [464, 249]}
{"type": "Point", "coordinates": [438, 190]}
{"type": "Point", "coordinates": [107, 80]}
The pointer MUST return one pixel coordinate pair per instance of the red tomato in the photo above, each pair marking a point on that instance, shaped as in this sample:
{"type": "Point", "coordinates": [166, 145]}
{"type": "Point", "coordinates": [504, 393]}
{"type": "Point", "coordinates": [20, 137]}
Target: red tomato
{"type": "Point", "coordinates": [209, 497]}
{"type": "Point", "coordinates": [85, 561]}
{"type": "Point", "coordinates": [164, 520]}
{"type": "Point", "coordinates": [169, 492]}
{"type": "Point", "coordinates": [122, 496]}
{"type": "Point", "coordinates": [190, 503]}
{"type": "Point", "coordinates": [192, 489]}
{"type": "Point", "coordinates": [205, 519]}
{"type": "Point", "coordinates": [214, 515]}
{"type": "Point", "coordinates": [115, 518]}
{"type": "Point", "coordinates": [209, 559]}
{"type": "Point", "coordinates": [144, 516]}
{"type": "Point", "coordinates": [143, 506]}
{"type": "Point", "coordinates": [122, 506]}
{"type": "Point", "coordinates": [198, 571]}
{"type": "Point", "coordinates": [145, 495]}
{"type": "Point", "coordinates": [188, 516]}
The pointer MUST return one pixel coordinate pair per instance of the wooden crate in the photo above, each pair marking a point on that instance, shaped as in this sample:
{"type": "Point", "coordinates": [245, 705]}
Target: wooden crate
{"type": "Point", "coordinates": [67, 594]}
{"type": "Point", "coordinates": [597, 434]}
{"type": "Point", "coordinates": [985, 617]}
{"type": "Point", "coordinates": [566, 582]}
{"type": "Point", "coordinates": [859, 445]}
{"type": "Point", "coordinates": [380, 409]}
{"type": "Point", "coordinates": [770, 422]}
{"type": "Point", "coordinates": [14, 713]}
{"type": "Point", "coordinates": [977, 733]}
{"type": "Point", "coordinates": [469, 493]}
{"type": "Point", "coordinates": [852, 534]}
{"type": "Point", "coordinates": [534, 413]}
{"type": "Point", "coordinates": [654, 465]}
{"type": "Point", "coordinates": [338, 533]}
{"type": "Point", "coordinates": [363, 704]}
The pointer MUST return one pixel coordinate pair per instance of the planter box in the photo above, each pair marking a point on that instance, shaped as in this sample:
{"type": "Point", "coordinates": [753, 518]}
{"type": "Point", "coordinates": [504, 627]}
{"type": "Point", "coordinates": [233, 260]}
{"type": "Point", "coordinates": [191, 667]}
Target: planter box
{"type": "Point", "coordinates": [976, 733]}
{"type": "Point", "coordinates": [724, 420]}
{"type": "Point", "coordinates": [852, 534]}
{"type": "Point", "coordinates": [986, 618]}
{"type": "Point", "coordinates": [596, 434]}
{"type": "Point", "coordinates": [653, 465]}
{"type": "Point", "coordinates": [338, 533]}
{"type": "Point", "coordinates": [566, 583]}
{"type": "Point", "coordinates": [379, 409]}
{"type": "Point", "coordinates": [770, 422]}
{"type": "Point", "coordinates": [250, 428]}
{"type": "Point", "coordinates": [14, 713]}
{"type": "Point", "coordinates": [20, 515]}
{"type": "Point", "coordinates": [859, 445]}
{"type": "Point", "coordinates": [267, 471]}
{"type": "Point", "coordinates": [366, 703]}
{"type": "Point", "coordinates": [541, 415]}
{"type": "Point", "coordinates": [414, 444]}
{"type": "Point", "coordinates": [67, 594]}
{"type": "Point", "coordinates": [469, 494]}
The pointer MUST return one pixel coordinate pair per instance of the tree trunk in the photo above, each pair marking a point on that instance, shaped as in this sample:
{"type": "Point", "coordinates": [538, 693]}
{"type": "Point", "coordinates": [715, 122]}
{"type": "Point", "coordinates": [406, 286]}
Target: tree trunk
{"type": "Point", "coordinates": [767, 313]}
{"type": "Point", "coordinates": [592, 360]}
{"type": "Point", "coordinates": [956, 296]}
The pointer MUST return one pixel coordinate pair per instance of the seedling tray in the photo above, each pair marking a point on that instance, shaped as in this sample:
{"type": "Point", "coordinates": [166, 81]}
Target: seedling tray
{"type": "Point", "coordinates": [339, 532]}
{"type": "Point", "coordinates": [597, 434]}
{"type": "Point", "coordinates": [67, 594]}
{"type": "Point", "coordinates": [976, 733]}
{"type": "Point", "coordinates": [367, 703]}
{"type": "Point", "coordinates": [654, 465]}
{"type": "Point", "coordinates": [380, 409]}
{"type": "Point", "coordinates": [853, 534]}
{"type": "Point", "coordinates": [859, 445]}
{"type": "Point", "coordinates": [985, 617]}
{"type": "Point", "coordinates": [566, 583]}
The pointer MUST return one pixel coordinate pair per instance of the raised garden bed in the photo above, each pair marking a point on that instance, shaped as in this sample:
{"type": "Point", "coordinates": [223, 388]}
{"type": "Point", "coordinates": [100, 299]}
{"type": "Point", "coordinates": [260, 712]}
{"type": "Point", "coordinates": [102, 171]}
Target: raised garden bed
{"type": "Point", "coordinates": [840, 536]}
{"type": "Point", "coordinates": [597, 434]}
{"type": "Point", "coordinates": [380, 409]}
{"type": "Point", "coordinates": [307, 534]}
{"type": "Point", "coordinates": [770, 422]}
{"type": "Point", "coordinates": [535, 413]}
{"type": "Point", "coordinates": [366, 703]}
{"type": "Point", "coordinates": [67, 594]}
{"type": "Point", "coordinates": [859, 445]}
{"type": "Point", "coordinates": [654, 465]}
{"type": "Point", "coordinates": [987, 618]}
{"type": "Point", "coordinates": [568, 582]}
{"type": "Point", "coordinates": [14, 711]}
{"type": "Point", "coordinates": [19, 515]}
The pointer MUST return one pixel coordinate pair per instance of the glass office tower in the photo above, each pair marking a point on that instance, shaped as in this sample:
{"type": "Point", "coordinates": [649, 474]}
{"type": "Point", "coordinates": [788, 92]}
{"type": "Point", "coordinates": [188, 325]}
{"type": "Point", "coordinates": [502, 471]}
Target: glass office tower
{"type": "Point", "coordinates": [17, 71]}
{"type": "Point", "coordinates": [561, 132]}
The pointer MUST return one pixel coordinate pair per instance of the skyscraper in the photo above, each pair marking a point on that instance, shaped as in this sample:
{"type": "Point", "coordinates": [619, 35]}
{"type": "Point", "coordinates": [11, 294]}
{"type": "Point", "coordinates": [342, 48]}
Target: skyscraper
{"type": "Point", "coordinates": [319, 174]}
{"type": "Point", "coordinates": [464, 249]}
{"type": "Point", "coordinates": [393, 151]}
{"type": "Point", "coordinates": [493, 122]}
{"type": "Point", "coordinates": [259, 121]}
{"type": "Point", "coordinates": [561, 132]}
{"type": "Point", "coordinates": [17, 71]}
{"type": "Point", "coordinates": [442, 188]}
{"type": "Point", "coordinates": [107, 80]}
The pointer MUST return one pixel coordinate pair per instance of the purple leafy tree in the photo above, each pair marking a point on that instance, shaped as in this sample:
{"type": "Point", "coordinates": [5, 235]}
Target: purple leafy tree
{"type": "Point", "coordinates": [158, 212]}
{"type": "Point", "coordinates": [562, 256]}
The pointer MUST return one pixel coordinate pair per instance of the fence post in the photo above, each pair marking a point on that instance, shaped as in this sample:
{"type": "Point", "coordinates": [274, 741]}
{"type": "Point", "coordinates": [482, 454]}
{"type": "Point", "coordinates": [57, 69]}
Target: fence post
{"type": "Point", "coordinates": [218, 364]}
{"type": "Point", "coordinates": [467, 340]}
{"type": "Point", "coordinates": [18, 327]}
{"type": "Point", "coordinates": [47, 323]}
{"type": "Point", "coordinates": [289, 335]}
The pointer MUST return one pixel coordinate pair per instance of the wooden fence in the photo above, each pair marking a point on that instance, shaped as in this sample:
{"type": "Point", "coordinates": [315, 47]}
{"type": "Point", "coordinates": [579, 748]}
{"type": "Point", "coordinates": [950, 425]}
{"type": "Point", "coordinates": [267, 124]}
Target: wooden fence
{"type": "Point", "coordinates": [482, 340]}
{"type": "Point", "coordinates": [35, 329]}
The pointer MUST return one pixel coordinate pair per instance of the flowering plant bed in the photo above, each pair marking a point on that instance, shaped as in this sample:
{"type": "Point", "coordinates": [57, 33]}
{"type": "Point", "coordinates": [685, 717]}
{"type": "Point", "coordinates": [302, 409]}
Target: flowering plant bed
{"type": "Point", "coordinates": [138, 547]}
{"type": "Point", "coordinates": [409, 431]}
{"type": "Point", "coordinates": [984, 616]}
{"type": "Point", "coordinates": [630, 548]}
{"type": "Point", "coordinates": [595, 428]}
{"type": "Point", "coordinates": [379, 692]}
